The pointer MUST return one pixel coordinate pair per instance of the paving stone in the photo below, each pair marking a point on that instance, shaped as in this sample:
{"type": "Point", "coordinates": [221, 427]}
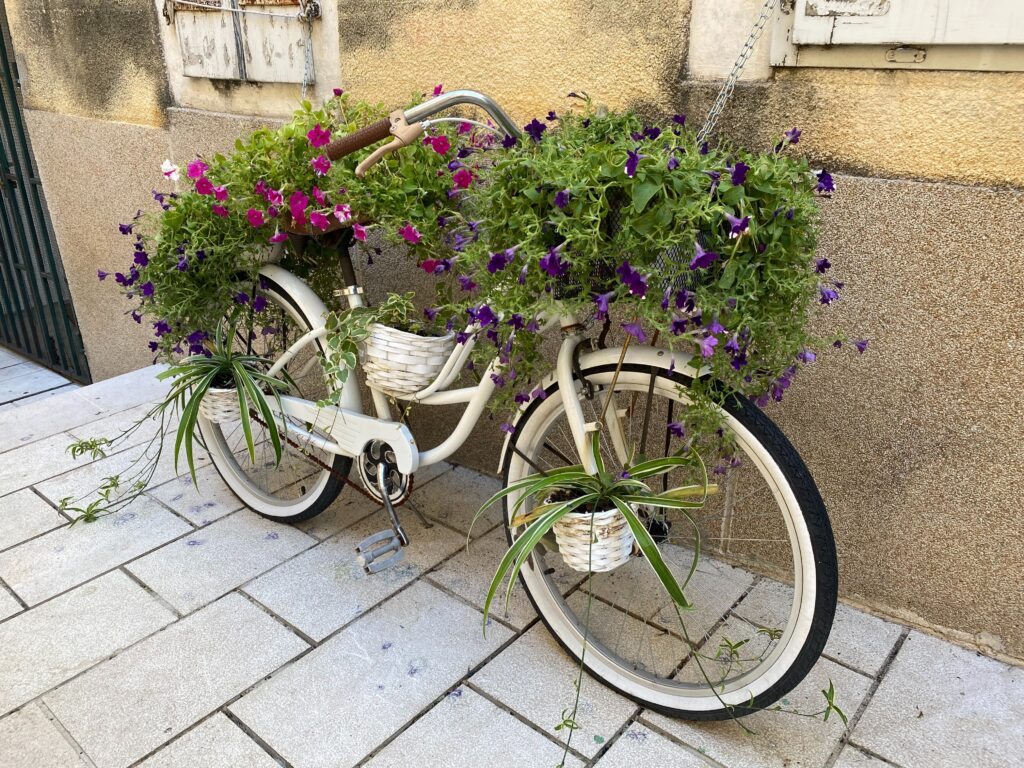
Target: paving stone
{"type": "Point", "coordinates": [24, 515]}
{"type": "Point", "coordinates": [640, 746]}
{"type": "Point", "coordinates": [28, 739]}
{"type": "Point", "coordinates": [851, 757]}
{"type": "Point", "coordinates": [34, 421]}
{"type": "Point", "coordinates": [8, 605]}
{"type": "Point", "coordinates": [82, 482]}
{"type": "Point", "coordinates": [29, 381]}
{"type": "Point", "coordinates": [425, 474]}
{"type": "Point", "coordinates": [19, 368]}
{"type": "Point", "coordinates": [210, 501]}
{"type": "Point", "coordinates": [69, 387]}
{"type": "Point", "coordinates": [130, 705]}
{"type": "Point", "coordinates": [486, 735]}
{"type": "Point", "coordinates": [455, 497]}
{"type": "Point", "coordinates": [535, 677]}
{"type": "Point", "coordinates": [61, 559]}
{"type": "Point", "coordinates": [215, 743]}
{"type": "Point", "coordinates": [325, 588]}
{"type": "Point", "coordinates": [350, 507]}
{"type": "Point", "coordinates": [779, 740]}
{"type": "Point", "coordinates": [36, 462]}
{"type": "Point", "coordinates": [128, 390]}
{"type": "Point", "coordinates": [51, 643]}
{"type": "Point", "coordinates": [338, 703]}
{"type": "Point", "coordinates": [191, 572]}
{"type": "Point", "coordinates": [9, 357]}
{"type": "Point", "coordinates": [941, 705]}
{"type": "Point", "coordinates": [469, 574]}
{"type": "Point", "coordinates": [859, 639]}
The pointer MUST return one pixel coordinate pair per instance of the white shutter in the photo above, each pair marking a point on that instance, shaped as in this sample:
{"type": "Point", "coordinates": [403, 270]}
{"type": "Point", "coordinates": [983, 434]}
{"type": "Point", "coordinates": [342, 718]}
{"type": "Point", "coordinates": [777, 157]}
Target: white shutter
{"type": "Point", "coordinates": [908, 22]}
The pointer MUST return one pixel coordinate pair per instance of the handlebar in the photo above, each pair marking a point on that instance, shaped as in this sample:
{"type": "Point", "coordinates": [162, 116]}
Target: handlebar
{"type": "Point", "coordinates": [375, 132]}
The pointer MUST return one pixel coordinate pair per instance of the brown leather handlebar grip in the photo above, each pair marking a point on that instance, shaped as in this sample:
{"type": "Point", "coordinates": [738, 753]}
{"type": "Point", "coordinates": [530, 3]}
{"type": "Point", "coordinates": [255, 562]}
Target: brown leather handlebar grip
{"type": "Point", "coordinates": [364, 137]}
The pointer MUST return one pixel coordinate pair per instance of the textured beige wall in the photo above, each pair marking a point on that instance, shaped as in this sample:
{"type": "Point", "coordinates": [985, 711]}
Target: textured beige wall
{"type": "Point", "coordinates": [96, 174]}
{"type": "Point", "coordinates": [94, 58]}
{"type": "Point", "coordinates": [527, 55]}
{"type": "Point", "coordinates": [952, 126]}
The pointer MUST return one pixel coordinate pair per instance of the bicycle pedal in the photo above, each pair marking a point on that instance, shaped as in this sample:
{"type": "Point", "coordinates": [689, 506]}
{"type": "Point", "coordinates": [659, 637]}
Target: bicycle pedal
{"type": "Point", "coordinates": [380, 551]}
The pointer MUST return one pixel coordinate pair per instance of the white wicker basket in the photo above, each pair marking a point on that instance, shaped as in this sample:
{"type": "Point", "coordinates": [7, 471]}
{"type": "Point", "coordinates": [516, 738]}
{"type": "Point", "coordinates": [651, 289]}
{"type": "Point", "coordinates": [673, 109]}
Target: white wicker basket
{"type": "Point", "coordinates": [401, 363]}
{"type": "Point", "coordinates": [611, 547]}
{"type": "Point", "coordinates": [219, 405]}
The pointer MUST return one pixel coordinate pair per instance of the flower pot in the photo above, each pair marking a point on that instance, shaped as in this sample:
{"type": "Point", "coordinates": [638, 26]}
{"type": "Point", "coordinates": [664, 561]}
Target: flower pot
{"type": "Point", "coordinates": [219, 405]}
{"type": "Point", "coordinates": [610, 547]}
{"type": "Point", "coordinates": [400, 363]}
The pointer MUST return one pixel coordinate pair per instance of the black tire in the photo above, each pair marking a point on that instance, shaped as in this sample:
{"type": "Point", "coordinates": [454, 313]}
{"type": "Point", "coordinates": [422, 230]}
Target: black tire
{"type": "Point", "coordinates": [341, 465]}
{"type": "Point", "coordinates": [815, 516]}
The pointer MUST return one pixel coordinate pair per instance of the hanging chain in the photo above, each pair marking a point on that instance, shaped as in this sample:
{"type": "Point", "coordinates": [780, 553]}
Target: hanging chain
{"type": "Point", "coordinates": [308, 10]}
{"type": "Point", "coordinates": [730, 83]}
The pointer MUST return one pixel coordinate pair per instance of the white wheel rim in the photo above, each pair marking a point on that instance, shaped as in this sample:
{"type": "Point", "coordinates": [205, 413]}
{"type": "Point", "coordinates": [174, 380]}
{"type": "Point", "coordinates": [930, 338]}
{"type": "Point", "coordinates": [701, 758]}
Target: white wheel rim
{"type": "Point", "coordinates": [255, 498]}
{"type": "Point", "coordinates": [642, 686]}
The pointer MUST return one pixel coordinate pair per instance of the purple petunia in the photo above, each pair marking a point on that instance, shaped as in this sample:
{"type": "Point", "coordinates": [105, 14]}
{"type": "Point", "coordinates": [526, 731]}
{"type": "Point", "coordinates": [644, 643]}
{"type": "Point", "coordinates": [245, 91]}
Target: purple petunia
{"type": "Point", "coordinates": [678, 326]}
{"type": "Point", "coordinates": [601, 300]}
{"type": "Point", "coordinates": [861, 345]}
{"type": "Point", "coordinates": [652, 132]}
{"type": "Point", "coordinates": [821, 266]}
{"type": "Point", "coordinates": [679, 119]}
{"type": "Point", "coordinates": [483, 315]}
{"type": "Point", "coordinates": [125, 229]}
{"type": "Point", "coordinates": [259, 303]}
{"type": "Point", "coordinates": [535, 129]}
{"type": "Point", "coordinates": [241, 298]}
{"type": "Point", "coordinates": [635, 330]}
{"type": "Point", "coordinates": [792, 135]}
{"type": "Point", "coordinates": [828, 296]}
{"type": "Point", "coordinates": [715, 327]}
{"type": "Point", "coordinates": [739, 173]}
{"type": "Point", "coordinates": [506, 427]}
{"type": "Point", "coordinates": [628, 276]}
{"type": "Point", "coordinates": [146, 289]}
{"type": "Point", "coordinates": [101, 275]}
{"type": "Point", "coordinates": [509, 141]}
{"type": "Point", "coordinates": [707, 346]}
{"type": "Point", "coordinates": [825, 183]}
{"type": "Point", "coordinates": [632, 161]}
{"type": "Point", "coordinates": [539, 394]}
{"type": "Point", "coordinates": [702, 258]}
{"type": "Point", "coordinates": [673, 163]}
{"type": "Point", "coordinates": [806, 356]}
{"type": "Point", "coordinates": [737, 226]}
{"type": "Point", "coordinates": [552, 263]}
{"type": "Point", "coordinates": [562, 198]}
{"type": "Point", "coordinates": [466, 283]}
{"type": "Point", "coordinates": [676, 429]}
{"type": "Point", "coordinates": [498, 261]}
{"type": "Point", "coordinates": [161, 328]}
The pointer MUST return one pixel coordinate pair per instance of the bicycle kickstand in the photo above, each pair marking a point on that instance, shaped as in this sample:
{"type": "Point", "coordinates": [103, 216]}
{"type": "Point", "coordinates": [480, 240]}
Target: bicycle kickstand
{"type": "Point", "coordinates": [384, 549]}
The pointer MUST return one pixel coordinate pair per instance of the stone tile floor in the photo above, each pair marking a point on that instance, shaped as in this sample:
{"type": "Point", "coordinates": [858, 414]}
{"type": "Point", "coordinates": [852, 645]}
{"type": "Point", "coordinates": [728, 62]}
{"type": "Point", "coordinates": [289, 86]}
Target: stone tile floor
{"type": "Point", "coordinates": [23, 381]}
{"type": "Point", "coordinates": [187, 632]}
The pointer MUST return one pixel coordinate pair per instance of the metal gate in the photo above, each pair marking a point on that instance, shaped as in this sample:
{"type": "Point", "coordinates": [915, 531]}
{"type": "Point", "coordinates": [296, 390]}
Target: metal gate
{"type": "Point", "coordinates": [36, 315]}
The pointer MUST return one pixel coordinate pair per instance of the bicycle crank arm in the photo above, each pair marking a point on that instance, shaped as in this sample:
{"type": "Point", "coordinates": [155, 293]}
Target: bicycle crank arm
{"type": "Point", "coordinates": [350, 431]}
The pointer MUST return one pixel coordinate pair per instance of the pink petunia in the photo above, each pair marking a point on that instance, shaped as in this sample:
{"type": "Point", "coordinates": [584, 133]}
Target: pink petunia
{"type": "Point", "coordinates": [343, 212]}
{"type": "Point", "coordinates": [321, 165]}
{"type": "Point", "coordinates": [279, 237]}
{"type": "Point", "coordinates": [274, 197]}
{"type": "Point", "coordinates": [255, 217]}
{"type": "Point", "coordinates": [220, 210]}
{"type": "Point", "coordinates": [359, 232]}
{"type": "Point", "coordinates": [441, 144]}
{"type": "Point", "coordinates": [319, 137]}
{"type": "Point", "coordinates": [465, 127]}
{"type": "Point", "coordinates": [298, 202]}
{"type": "Point", "coordinates": [221, 193]}
{"type": "Point", "coordinates": [319, 221]}
{"type": "Point", "coordinates": [462, 178]}
{"type": "Point", "coordinates": [204, 186]}
{"type": "Point", "coordinates": [338, 91]}
{"type": "Point", "coordinates": [439, 89]}
{"type": "Point", "coordinates": [410, 234]}
{"type": "Point", "coordinates": [197, 168]}
{"type": "Point", "coordinates": [318, 195]}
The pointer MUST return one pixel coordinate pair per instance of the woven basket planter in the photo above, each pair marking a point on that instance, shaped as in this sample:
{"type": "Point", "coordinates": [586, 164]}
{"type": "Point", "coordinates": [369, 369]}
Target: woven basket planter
{"type": "Point", "coordinates": [401, 363]}
{"type": "Point", "coordinates": [611, 546]}
{"type": "Point", "coordinates": [219, 405]}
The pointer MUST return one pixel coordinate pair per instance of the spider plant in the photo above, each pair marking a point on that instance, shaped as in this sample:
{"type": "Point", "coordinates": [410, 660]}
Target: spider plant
{"type": "Point", "coordinates": [571, 489]}
{"type": "Point", "coordinates": [223, 367]}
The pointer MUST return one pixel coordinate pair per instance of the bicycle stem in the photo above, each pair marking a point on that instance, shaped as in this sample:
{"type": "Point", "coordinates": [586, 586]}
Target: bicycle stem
{"type": "Point", "coordinates": [455, 98]}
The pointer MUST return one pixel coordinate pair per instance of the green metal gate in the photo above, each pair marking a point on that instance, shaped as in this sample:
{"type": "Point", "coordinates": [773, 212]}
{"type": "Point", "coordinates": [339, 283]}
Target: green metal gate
{"type": "Point", "coordinates": [36, 315]}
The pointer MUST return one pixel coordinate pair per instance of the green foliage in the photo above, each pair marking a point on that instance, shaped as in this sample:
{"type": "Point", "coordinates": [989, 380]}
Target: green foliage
{"type": "Point", "coordinates": [571, 489]}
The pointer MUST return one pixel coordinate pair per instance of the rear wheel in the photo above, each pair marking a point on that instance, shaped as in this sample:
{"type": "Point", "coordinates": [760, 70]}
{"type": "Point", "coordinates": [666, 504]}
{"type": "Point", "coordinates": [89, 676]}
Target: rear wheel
{"type": "Point", "coordinates": [307, 479]}
{"type": "Point", "coordinates": [765, 586]}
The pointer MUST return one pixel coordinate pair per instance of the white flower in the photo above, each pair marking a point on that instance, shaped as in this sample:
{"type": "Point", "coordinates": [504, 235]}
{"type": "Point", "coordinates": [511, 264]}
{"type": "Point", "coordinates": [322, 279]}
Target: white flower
{"type": "Point", "coordinates": [170, 170]}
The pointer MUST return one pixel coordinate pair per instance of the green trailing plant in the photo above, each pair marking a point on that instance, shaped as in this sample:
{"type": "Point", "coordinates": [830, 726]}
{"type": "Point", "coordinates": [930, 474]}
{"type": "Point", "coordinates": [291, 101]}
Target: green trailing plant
{"type": "Point", "coordinates": [191, 379]}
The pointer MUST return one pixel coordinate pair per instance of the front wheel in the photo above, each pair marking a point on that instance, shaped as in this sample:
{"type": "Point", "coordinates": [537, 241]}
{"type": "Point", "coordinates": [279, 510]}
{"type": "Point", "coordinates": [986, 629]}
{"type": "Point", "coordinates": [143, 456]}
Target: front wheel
{"type": "Point", "coordinates": [765, 587]}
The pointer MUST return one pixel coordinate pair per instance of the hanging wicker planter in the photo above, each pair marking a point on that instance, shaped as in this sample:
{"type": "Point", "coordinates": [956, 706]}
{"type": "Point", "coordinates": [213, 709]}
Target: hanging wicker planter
{"type": "Point", "coordinates": [401, 363]}
{"type": "Point", "coordinates": [219, 405]}
{"type": "Point", "coordinates": [610, 547]}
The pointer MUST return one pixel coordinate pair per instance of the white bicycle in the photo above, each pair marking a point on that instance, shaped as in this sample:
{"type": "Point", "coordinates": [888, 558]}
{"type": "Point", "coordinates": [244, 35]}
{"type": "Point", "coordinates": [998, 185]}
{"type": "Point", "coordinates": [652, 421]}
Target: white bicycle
{"type": "Point", "coordinates": [765, 589]}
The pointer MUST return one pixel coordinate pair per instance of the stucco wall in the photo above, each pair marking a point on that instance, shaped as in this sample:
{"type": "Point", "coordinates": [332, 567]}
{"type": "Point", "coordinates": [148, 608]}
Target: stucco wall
{"type": "Point", "coordinates": [915, 443]}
